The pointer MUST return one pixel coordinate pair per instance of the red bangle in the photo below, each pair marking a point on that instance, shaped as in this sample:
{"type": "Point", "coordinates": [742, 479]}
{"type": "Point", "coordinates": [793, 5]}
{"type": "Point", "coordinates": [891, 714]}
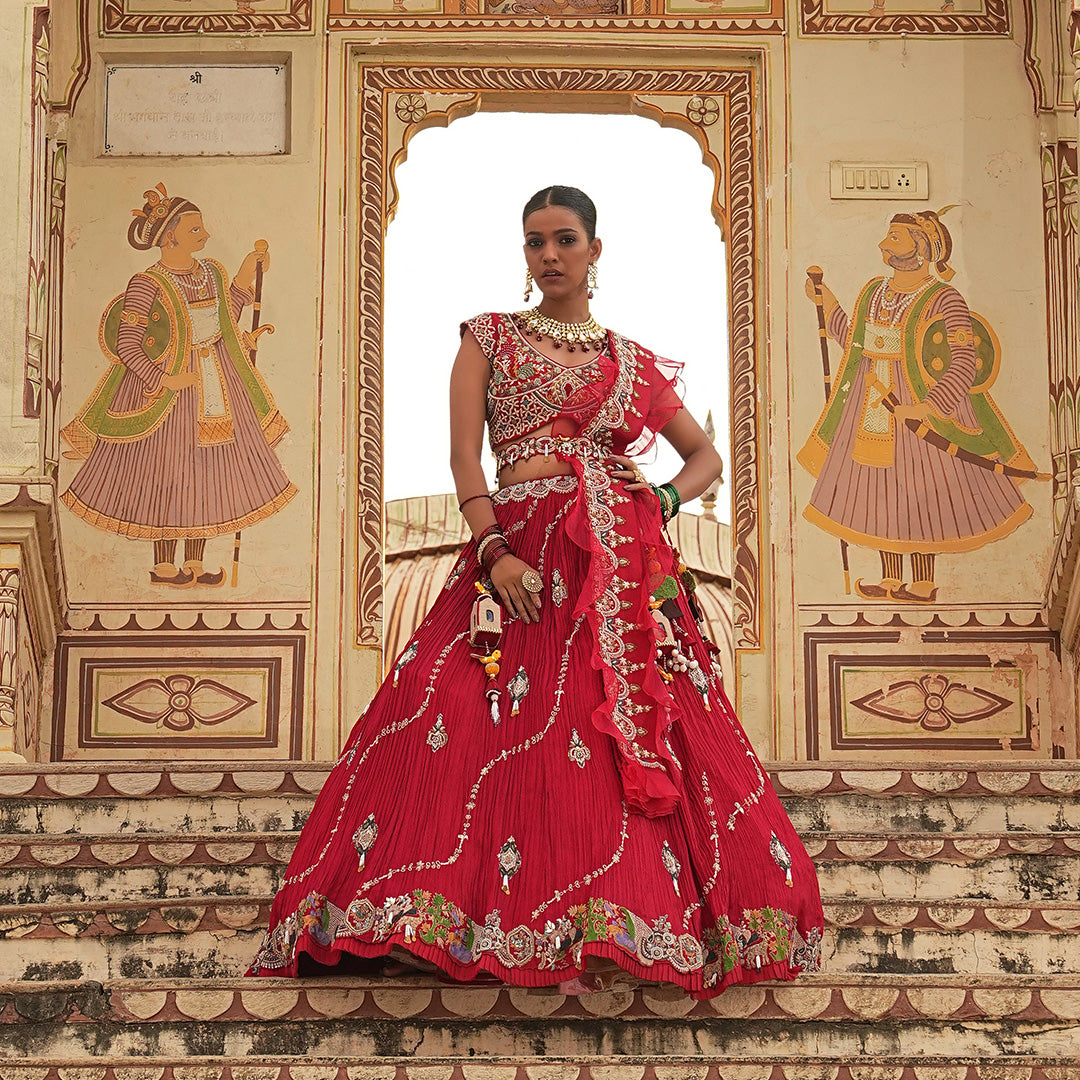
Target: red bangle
{"type": "Point", "coordinates": [493, 554]}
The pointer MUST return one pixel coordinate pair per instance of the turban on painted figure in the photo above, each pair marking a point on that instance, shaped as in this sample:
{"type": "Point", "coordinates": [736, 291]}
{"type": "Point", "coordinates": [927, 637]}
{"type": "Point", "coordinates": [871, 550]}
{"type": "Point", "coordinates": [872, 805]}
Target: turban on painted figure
{"type": "Point", "coordinates": [153, 220]}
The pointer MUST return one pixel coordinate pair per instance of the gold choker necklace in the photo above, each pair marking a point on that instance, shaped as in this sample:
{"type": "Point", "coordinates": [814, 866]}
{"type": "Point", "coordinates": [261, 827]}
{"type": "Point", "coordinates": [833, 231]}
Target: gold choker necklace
{"type": "Point", "coordinates": [584, 335]}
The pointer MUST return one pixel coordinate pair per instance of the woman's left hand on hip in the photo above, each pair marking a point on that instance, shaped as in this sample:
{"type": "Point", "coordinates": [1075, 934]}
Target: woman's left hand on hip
{"type": "Point", "coordinates": [627, 469]}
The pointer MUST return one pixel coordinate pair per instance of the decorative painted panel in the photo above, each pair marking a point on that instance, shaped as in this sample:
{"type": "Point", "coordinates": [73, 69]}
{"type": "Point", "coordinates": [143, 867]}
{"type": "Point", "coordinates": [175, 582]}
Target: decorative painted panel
{"type": "Point", "coordinates": [1061, 221]}
{"type": "Point", "coordinates": [206, 16]}
{"type": "Point", "coordinates": [908, 17]}
{"type": "Point", "coordinates": [695, 16]}
{"type": "Point", "coordinates": [180, 696]}
{"type": "Point", "coordinates": [977, 683]}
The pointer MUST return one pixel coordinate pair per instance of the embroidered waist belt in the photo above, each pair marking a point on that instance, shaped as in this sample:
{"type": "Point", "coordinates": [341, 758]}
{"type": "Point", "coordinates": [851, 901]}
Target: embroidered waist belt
{"type": "Point", "coordinates": [582, 449]}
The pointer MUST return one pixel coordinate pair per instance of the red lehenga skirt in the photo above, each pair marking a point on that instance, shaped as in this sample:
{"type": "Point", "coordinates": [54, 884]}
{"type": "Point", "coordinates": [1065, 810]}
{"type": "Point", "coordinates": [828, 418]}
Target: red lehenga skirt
{"type": "Point", "coordinates": [510, 848]}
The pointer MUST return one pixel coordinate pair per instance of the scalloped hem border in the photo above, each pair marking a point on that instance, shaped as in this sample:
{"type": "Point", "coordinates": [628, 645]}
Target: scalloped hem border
{"type": "Point", "coordinates": [661, 972]}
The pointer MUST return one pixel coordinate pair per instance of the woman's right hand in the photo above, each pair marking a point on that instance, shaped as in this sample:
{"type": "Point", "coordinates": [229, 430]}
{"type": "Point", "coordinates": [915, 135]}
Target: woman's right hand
{"type": "Point", "coordinates": [506, 576]}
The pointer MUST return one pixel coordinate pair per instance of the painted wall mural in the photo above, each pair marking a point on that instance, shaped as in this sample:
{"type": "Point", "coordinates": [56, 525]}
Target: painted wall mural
{"type": "Point", "coordinates": [905, 17]}
{"type": "Point", "coordinates": [205, 16]}
{"type": "Point", "coordinates": [177, 437]}
{"type": "Point", "coordinates": [682, 16]}
{"type": "Point", "coordinates": [911, 455]}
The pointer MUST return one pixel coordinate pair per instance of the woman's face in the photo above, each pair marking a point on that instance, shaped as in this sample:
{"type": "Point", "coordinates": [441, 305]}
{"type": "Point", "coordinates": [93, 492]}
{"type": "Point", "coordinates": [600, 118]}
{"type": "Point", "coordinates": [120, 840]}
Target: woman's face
{"type": "Point", "coordinates": [558, 252]}
{"type": "Point", "coordinates": [189, 233]}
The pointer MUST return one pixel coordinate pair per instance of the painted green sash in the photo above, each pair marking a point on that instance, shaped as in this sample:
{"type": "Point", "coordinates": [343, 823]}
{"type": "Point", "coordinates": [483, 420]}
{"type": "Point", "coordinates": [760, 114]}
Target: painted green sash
{"type": "Point", "coordinates": [845, 378]}
{"type": "Point", "coordinates": [98, 420]}
{"type": "Point", "coordinates": [994, 438]}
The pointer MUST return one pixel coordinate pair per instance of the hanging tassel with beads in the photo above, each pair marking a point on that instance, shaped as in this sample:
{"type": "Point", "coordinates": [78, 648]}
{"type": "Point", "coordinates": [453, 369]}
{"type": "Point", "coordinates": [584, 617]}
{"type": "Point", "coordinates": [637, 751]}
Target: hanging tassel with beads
{"type": "Point", "coordinates": [485, 636]}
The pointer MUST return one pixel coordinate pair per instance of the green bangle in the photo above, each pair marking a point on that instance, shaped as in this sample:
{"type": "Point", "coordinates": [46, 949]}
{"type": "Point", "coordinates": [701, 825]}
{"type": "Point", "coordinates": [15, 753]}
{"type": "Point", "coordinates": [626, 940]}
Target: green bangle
{"type": "Point", "coordinates": [673, 500]}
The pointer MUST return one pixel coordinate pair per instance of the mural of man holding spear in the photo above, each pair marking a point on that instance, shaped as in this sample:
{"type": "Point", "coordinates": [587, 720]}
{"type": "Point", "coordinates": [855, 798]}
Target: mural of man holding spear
{"type": "Point", "coordinates": [178, 435]}
{"type": "Point", "coordinates": [911, 454]}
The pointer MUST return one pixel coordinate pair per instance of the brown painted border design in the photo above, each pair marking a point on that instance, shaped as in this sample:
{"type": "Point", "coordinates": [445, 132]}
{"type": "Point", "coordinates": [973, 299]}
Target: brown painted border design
{"type": "Point", "coordinates": [920, 661]}
{"type": "Point", "coordinates": [1021, 1067]}
{"type": "Point", "coordinates": [170, 649]}
{"type": "Point", "coordinates": [130, 1009]}
{"type": "Point", "coordinates": [680, 24]}
{"type": "Point", "coordinates": [738, 183]}
{"type": "Point", "coordinates": [995, 21]}
{"type": "Point", "coordinates": [1060, 250]}
{"type": "Point", "coordinates": [52, 781]}
{"type": "Point", "coordinates": [636, 16]}
{"type": "Point", "coordinates": [931, 635]}
{"type": "Point", "coordinates": [116, 19]}
{"type": "Point", "coordinates": [89, 666]}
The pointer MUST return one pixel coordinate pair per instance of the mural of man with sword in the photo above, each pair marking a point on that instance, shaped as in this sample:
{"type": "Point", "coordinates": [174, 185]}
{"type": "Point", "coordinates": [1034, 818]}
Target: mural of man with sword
{"type": "Point", "coordinates": [178, 435]}
{"type": "Point", "coordinates": [911, 454]}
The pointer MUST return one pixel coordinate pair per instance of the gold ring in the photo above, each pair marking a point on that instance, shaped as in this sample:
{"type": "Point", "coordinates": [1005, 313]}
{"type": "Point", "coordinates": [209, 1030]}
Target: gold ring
{"type": "Point", "coordinates": [532, 581]}
{"type": "Point", "coordinates": [639, 476]}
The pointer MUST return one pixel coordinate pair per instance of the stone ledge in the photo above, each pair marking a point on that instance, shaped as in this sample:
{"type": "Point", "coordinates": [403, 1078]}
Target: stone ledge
{"type": "Point", "coordinates": [166, 915]}
{"type": "Point", "coordinates": [629, 1067]}
{"type": "Point", "coordinates": [179, 848]}
{"type": "Point", "coordinates": [134, 780]}
{"type": "Point", "coordinates": [844, 999]}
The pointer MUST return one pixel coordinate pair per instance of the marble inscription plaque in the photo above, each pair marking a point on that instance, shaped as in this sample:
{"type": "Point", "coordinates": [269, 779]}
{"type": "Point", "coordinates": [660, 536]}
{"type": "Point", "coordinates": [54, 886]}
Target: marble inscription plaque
{"type": "Point", "coordinates": [214, 109]}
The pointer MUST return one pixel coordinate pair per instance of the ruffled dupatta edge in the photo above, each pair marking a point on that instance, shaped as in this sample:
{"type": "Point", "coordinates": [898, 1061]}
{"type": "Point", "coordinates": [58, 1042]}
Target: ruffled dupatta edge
{"type": "Point", "coordinates": [637, 709]}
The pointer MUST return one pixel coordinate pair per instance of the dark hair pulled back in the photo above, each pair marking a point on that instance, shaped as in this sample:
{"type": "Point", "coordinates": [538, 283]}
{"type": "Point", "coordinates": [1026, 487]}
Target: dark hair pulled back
{"type": "Point", "coordinates": [572, 199]}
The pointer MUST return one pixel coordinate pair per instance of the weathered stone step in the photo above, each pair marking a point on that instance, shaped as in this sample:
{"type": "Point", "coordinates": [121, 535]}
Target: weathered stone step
{"type": "Point", "coordinates": [1013, 878]}
{"type": "Point", "coordinates": [183, 847]}
{"type": "Point", "coordinates": [36, 885]}
{"type": "Point", "coordinates": [201, 815]}
{"type": "Point", "coordinates": [943, 815]}
{"type": "Point", "coordinates": [225, 797]}
{"type": "Point", "coordinates": [171, 848]}
{"type": "Point", "coordinates": [148, 779]}
{"type": "Point", "coordinates": [834, 1019]}
{"type": "Point", "coordinates": [517, 1067]}
{"type": "Point", "coordinates": [177, 955]}
{"type": "Point", "coordinates": [156, 950]}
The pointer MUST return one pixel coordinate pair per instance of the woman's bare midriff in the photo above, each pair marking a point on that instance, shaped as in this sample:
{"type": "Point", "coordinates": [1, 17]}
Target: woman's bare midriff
{"type": "Point", "coordinates": [532, 468]}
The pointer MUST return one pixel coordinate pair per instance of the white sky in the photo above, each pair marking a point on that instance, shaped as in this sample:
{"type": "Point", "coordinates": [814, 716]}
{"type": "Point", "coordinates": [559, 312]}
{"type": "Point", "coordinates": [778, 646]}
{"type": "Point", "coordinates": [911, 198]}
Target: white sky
{"type": "Point", "coordinates": [454, 250]}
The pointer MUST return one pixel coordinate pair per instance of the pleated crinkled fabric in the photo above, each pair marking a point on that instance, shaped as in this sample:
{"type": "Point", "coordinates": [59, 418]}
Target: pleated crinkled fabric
{"type": "Point", "coordinates": [511, 848]}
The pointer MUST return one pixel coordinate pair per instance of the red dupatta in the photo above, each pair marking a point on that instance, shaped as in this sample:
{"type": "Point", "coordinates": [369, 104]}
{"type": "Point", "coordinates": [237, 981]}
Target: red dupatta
{"type": "Point", "coordinates": [622, 533]}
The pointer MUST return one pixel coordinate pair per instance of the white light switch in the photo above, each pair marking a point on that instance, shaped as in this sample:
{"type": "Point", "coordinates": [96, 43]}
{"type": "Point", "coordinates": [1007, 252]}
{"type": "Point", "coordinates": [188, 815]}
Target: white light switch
{"type": "Point", "coordinates": [879, 180]}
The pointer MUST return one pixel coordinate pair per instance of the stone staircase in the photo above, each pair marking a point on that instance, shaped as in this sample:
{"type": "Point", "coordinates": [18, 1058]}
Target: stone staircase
{"type": "Point", "coordinates": [132, 898]}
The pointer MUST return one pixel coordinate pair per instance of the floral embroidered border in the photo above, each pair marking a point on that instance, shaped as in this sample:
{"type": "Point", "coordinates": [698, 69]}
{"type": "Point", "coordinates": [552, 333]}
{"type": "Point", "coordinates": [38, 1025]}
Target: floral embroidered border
{"type": "Point", "coordinates": [765, 936]}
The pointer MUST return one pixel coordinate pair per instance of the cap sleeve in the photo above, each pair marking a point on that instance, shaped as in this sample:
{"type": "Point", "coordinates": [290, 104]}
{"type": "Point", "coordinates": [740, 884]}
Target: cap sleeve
{"type": "Point", "coordinates": [485, 328]}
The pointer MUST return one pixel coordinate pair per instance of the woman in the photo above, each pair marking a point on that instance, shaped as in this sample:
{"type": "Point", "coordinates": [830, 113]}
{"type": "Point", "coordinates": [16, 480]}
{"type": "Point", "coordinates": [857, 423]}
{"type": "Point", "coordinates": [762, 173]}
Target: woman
{"type": "Point", "coordinates": [568, 794]}
{"type": "Point", "coordinates": [178, 434]}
